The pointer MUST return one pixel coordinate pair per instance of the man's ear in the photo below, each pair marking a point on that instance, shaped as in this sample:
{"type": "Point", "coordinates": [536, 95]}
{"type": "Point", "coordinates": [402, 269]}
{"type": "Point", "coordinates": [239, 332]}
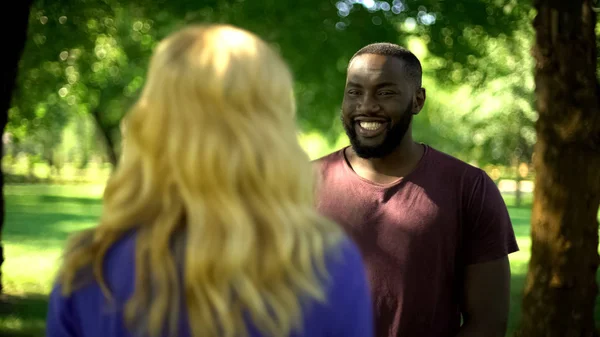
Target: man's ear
{"type": "Point", "coordinates": [419, 100]}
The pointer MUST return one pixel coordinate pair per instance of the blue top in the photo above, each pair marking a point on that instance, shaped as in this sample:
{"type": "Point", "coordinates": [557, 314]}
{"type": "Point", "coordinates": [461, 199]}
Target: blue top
{"type": "Point", "coordinates": [347, 313]}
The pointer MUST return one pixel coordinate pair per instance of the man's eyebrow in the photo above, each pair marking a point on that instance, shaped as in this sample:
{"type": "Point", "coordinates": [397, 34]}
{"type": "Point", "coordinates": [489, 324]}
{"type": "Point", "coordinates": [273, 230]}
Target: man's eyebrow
{"type": "Point", "coordinates": [386, 84]}
{"type": "Point", "coordinates": [380, 85]}
{"type": "Point", "coordinates": [353, 84]}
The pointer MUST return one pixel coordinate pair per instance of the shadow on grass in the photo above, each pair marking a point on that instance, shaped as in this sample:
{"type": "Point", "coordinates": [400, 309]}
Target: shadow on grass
{"type": "Point", "coordinates": [31, 218]}
{"type": "Point", "coordinates": [63, 199]}
{"type": "Point", "coordinates": [23, 316]}
{"type": "Point", "coordinates": [32, 227]}
{"type": "Point", "coordinates": [45, 202]}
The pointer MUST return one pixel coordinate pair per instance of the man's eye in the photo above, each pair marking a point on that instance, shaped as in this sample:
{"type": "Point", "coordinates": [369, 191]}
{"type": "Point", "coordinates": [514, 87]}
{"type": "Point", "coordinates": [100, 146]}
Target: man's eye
{"type": "Point", "coordinates": [386, 93]}
{"type": "Point", "coordinates": [353, 92]}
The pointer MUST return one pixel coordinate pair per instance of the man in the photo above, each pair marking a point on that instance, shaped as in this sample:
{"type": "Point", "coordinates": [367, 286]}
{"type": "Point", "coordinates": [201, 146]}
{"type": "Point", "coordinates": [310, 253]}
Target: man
{"type": "Point", "coordinates": [434, 231]}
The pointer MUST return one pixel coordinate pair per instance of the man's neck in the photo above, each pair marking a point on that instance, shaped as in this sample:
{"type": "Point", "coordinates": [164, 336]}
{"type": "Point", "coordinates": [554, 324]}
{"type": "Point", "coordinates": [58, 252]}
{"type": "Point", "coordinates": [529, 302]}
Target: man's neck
{"type": "Point", "coordinates": [397, 164]}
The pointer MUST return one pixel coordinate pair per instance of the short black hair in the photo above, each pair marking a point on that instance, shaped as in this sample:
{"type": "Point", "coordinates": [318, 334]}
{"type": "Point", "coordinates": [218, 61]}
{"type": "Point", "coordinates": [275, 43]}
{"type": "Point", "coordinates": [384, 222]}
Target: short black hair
{"type": "Point", "coordinates": [411, 62]}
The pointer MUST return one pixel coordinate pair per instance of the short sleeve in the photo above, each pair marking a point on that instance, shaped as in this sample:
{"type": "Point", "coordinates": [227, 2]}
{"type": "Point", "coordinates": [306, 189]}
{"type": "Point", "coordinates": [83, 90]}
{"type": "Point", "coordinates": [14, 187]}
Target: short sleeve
{"type": "Point", "coordinates": [487, 231]}
{"type": "Point", "coordinates": [61, 320]}
{"type": "Point", "coordinates": [350, 297]}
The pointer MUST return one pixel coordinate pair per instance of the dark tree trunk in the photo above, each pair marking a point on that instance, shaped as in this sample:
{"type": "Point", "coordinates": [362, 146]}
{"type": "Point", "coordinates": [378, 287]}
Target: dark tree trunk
{"type": "Point", "coordinates": [106, 132]}
{"type": "Point", "coordinates": [561, 283]}
{"type": "Point", "coordinates": [14, 24]}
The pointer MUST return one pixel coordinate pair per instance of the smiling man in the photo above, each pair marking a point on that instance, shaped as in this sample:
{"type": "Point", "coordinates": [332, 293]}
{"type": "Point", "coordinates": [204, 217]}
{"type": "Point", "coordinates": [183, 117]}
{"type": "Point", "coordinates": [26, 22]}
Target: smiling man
{"type": "Point", "coordinates": [434, 231]}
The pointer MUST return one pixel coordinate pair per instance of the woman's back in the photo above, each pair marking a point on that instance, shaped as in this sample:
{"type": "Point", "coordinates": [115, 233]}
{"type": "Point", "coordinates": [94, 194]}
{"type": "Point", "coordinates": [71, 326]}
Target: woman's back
{"type": "Point", "coordinates": [87, 313]}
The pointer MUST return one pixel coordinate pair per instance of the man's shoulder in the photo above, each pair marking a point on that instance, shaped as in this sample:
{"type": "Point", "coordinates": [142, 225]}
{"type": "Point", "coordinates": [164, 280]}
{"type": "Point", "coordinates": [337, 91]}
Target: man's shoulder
{"type": "Point", "coordinates": [448, 164]}
{"type": "Point", "coordinates": [468, 177]}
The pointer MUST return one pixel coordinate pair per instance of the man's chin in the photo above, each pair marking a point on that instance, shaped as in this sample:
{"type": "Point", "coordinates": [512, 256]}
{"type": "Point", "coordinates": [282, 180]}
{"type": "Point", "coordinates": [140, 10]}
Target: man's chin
{"type": "Point", "coordinates": [368, 152]}
{"type": "Point", "coordinates": [367, 148]}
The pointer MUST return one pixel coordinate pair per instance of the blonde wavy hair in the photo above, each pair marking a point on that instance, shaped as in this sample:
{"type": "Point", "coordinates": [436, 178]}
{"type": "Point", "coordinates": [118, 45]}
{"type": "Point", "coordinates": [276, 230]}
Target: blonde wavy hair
{"type": "Point", "coordinates": [211, 156]}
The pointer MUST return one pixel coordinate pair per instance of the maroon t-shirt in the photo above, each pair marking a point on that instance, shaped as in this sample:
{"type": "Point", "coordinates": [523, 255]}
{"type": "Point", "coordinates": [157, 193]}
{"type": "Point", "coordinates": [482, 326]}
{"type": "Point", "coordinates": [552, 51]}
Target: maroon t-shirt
{"type": "Point", "coordinates": [416, 235]}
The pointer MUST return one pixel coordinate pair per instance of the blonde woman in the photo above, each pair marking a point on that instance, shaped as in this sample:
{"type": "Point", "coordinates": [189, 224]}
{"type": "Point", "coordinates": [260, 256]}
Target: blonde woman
{"type": "Point", "coordinates": [208, 227]}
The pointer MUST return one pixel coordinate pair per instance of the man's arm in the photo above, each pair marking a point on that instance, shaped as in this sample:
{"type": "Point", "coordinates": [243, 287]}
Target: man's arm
{"type": "Point", "coordinates": [488, 239]}
{"type": "Point", "coordinates": [486, 299]}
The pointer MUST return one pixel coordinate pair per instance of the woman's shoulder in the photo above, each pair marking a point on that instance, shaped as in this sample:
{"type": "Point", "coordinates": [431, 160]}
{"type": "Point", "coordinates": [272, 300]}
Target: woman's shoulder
{"type": "Point", "coordinates": [118, 271]}
{"type": "Point", "coordinates": [119, 266]}
{"type": "Point", "coordinates": [345, 263]}
{"type": "Point", "coordinates": [347, 311]}
{"type": "Point", "coordinates": [82, 307]}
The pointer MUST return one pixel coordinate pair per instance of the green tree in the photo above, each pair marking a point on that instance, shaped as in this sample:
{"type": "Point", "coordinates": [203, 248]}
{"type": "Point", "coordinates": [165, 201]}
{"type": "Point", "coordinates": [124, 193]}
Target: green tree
{"type": "Point", "coordinates": [106, 45]}
{"type": "Point", "coordinates": [80, 58]}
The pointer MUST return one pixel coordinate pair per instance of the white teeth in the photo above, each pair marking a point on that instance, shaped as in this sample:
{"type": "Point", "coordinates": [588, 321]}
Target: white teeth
{"type": "Point", "coordinates": [370, 125]}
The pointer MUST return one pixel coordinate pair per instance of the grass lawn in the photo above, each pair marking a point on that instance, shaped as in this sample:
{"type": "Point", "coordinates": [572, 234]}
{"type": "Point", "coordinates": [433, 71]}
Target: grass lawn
{"type": "Point", "coordinates": [40, 217]}
{"type": "Point", "coordinates": [38, 220]}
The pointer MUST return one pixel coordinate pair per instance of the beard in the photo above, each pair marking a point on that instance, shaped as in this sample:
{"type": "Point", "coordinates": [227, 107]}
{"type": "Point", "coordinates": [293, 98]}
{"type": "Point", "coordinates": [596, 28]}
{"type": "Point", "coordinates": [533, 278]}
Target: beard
{"type": "Point", "coordinates": [394, 135]}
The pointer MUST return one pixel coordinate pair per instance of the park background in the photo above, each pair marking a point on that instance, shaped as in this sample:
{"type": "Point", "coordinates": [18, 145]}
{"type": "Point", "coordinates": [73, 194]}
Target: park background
{"type": "Point", "coordinates": [84, 63]}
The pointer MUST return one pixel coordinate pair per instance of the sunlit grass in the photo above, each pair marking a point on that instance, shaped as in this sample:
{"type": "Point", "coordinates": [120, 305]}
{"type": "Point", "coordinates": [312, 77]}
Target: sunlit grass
{"type": "Point", "coordinates": [38, 220]}
{"type": "Point", "coordinates": [40, 217]}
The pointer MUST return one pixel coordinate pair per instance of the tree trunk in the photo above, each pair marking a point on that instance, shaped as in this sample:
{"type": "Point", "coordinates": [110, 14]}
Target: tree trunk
{"type": "Point", "coordinates": [561, 283]}
{"type": "Point", "coordinates": [105, 132]}
{"type": "Point", "coordinates": [518, 192]}
{"type": "Point", "coordinates": [14, 23]}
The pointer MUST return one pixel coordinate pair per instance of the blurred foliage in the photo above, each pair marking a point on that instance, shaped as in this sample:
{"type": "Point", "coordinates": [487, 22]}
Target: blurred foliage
{"type": "Point", "coordinates": [86, 60]}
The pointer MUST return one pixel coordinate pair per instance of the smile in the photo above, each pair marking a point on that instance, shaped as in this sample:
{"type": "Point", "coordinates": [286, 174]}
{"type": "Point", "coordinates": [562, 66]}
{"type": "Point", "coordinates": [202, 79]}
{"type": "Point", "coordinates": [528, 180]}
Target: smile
{"type": "Point", "coordinates": [370, 127]}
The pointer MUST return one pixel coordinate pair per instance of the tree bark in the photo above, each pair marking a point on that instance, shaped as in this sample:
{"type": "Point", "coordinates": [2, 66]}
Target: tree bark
{"type": "Point", "coordinates": [14, 23]}
{"type": "Point", "coordinates": [561, 288]}
{"type": "Point", "coordinates": [105, 132]}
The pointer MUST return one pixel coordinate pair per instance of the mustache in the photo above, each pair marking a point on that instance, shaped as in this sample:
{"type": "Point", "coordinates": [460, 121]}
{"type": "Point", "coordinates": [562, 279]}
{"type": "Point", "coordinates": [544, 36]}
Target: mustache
{"type": "Point", "coordinates": [351, 118]}
{"type": "Point", "coordinates": [371, 118]}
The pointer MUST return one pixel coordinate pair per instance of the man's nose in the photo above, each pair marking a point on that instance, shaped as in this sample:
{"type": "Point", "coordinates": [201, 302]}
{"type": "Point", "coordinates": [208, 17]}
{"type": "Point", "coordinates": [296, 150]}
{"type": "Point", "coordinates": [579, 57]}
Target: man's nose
{"type": "Point", "coordinates": [368, 105]}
